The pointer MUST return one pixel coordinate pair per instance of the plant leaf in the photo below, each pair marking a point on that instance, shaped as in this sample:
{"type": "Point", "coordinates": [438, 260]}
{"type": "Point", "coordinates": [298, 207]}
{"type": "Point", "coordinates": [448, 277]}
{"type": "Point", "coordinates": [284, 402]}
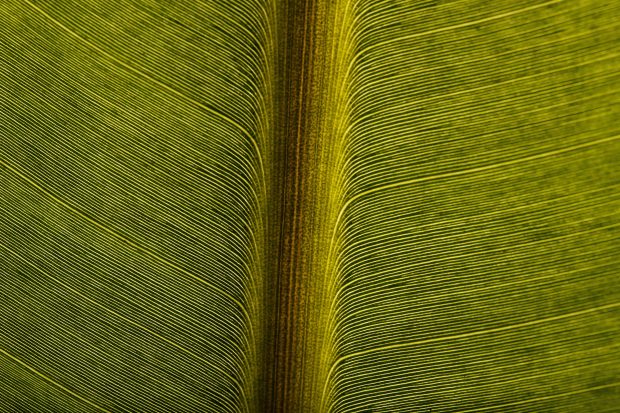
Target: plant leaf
{"type": "Point", "coordinates": [476, 247]}
{"type": "Point", "coordinates": [309, 206]}
{"type": "Point", "coordinates": [132, 198]}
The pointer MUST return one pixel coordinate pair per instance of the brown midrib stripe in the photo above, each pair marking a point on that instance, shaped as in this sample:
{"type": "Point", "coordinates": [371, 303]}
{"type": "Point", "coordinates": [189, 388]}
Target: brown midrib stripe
{"type": "Point", "coordinates": [283, 384]}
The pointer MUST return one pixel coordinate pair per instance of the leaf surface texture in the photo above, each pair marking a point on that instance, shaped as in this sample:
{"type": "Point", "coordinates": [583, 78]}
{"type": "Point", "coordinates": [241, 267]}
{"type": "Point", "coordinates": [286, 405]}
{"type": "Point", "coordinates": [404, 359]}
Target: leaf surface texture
{"type": "Point", "coordinates": [313, 206]}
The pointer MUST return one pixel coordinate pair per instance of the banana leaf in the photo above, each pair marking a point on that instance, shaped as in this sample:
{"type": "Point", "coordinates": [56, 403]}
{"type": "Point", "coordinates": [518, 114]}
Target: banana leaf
{"type": "Point", "coordinates": [309, 206]}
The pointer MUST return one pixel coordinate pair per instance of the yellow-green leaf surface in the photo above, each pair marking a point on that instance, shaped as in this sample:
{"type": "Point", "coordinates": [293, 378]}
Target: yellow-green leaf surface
{"type": "Point", "coordinates": [133, 147]}
{"type": "Point", "coordinates": [309, 206]}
